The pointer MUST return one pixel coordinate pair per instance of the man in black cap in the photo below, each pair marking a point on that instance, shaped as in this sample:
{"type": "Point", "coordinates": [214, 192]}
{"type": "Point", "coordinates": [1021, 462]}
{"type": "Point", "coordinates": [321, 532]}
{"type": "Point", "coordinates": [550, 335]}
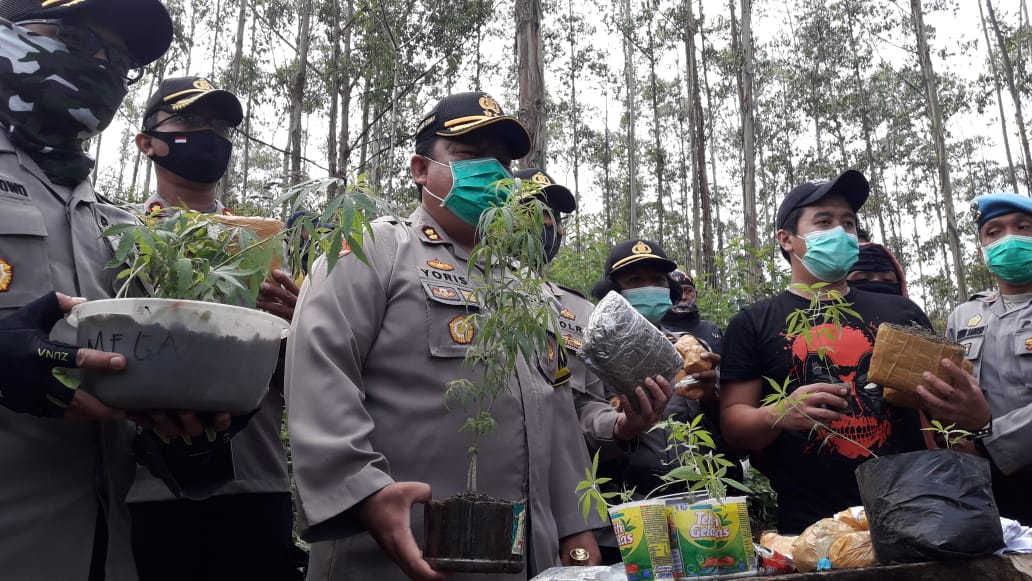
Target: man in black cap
{"type": "Point", "coordinates": [372, 348]}
{"type": "Point", "coordinates": [994, 402]}
{"type": "Point", "coordinates": [186, 133]}
{"type": "Point", "coordinates": [824, 370]}
{"type": "Point", "coordinates": [684, 316]}
{"type": "Point", "coordinates": [64, 69]}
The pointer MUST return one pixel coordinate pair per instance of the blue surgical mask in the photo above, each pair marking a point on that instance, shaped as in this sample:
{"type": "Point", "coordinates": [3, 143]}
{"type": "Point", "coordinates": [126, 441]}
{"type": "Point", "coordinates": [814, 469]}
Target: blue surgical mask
{"type": "Point", "coordinates": [474, 188]}
{"type": "Point", "coordinates": [830, 253]}
{"type": "Point", "coordinates": [651, 301]}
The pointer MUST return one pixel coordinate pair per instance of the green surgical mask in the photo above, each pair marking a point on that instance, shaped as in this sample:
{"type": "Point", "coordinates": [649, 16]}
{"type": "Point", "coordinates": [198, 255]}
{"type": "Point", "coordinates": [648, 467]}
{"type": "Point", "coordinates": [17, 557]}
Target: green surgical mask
{"type": "Point", "coordinates": [651, 301]}
{"type": "Point", "coordinates": [1010, 258]}
{"type": "Point", "coordinates": [474, 187]}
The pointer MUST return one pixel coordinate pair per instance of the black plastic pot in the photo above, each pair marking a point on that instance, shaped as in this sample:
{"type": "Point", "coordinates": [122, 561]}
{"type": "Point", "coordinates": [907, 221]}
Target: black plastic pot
{"type": "Point", "coordinates": [474, 534]}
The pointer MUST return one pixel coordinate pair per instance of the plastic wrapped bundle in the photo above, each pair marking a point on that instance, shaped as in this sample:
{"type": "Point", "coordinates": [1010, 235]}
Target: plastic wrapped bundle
{"type": "Point", "coordinates": [623, 348]}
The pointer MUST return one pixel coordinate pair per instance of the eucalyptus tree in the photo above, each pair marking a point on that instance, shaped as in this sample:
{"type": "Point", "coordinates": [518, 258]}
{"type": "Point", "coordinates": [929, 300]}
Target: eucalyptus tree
{"type": "Point", "coordinates": [1008, 70]}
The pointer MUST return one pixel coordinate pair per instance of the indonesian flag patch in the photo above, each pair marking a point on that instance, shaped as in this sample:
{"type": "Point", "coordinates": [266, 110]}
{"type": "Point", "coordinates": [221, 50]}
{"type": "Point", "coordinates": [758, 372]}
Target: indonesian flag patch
{"type": "Point", "coordinates": [180, 139]}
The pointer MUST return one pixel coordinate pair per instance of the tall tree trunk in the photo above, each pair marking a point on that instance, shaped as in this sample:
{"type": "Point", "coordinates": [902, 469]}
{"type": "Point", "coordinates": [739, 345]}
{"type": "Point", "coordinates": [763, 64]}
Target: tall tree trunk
{"type": "Point", "coordinates": [746, 108]}
{"type": "Point", "coordinates": [531, 73]}
{"type": "Point", "coordinates": [343, 88]}
{"type": "Point", "coordinates": [657, 136]}
{"type": "Point", "coordinates": [690, 264]}
{"type": "Point", "coordinates": [697, 127]}
{"type": "Point", "coordinates": [575, 122]}
{"type": "Point", "coordinates": [607, 159]}
{"type": "Point", "coordinates": [1011, 174]}
{"type": "Point", "coordinates": [721, 279]}
{"type": "Point", "coordinates": [877, 189]}
{"type": "Point", "coordinates": [1008, 71]}
{"type": "Point", "coordinates": [96, 160]}
{"type": "Point", "coordinates": [297, 90]}
{"type": "Point", "coordinates": [939, 137]}
{"type": "Point", "coordinates": [333, 72]}
{"type": "Point", "coordinates": [631, 88]}
{"type": "Point", "coordinates": [234, 87]}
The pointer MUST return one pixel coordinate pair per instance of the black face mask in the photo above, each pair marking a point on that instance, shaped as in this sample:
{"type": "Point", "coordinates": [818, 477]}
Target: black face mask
{"type": "Point", "coordinates": [553, 241]}
{"type": "Point", "coordinates": [203, 157]}
{"type": "Point", "coordinates": [877, 286]}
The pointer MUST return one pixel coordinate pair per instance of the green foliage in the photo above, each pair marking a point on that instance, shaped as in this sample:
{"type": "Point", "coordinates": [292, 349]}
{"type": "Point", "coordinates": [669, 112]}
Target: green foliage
{"type": "Point", "coordinates": [513, 319]}
{"type": "Point", "coordinates": [763, 501]}
{"type": "Point", "coordinates": [188, 256]}
{"type": "Point", "coordinates": [592, 496]}
{"type": "Point", "coordinates": [342, 222]}
{"type": "Point", "coordinates": [951, 435]}
{"type": "Point", "coordinates": [696, 466]}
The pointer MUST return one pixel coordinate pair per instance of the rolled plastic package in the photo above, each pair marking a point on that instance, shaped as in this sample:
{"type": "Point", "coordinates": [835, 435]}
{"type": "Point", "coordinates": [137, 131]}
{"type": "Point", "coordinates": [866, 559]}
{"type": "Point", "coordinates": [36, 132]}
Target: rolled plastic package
{"type": "Point", "coordinates": [623, 348]}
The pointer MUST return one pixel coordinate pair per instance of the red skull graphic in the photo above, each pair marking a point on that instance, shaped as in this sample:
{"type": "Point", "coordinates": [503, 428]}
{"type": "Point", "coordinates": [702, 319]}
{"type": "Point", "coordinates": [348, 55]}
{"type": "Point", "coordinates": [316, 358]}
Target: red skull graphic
{"type": "Point", "coordinates": [842, 355]}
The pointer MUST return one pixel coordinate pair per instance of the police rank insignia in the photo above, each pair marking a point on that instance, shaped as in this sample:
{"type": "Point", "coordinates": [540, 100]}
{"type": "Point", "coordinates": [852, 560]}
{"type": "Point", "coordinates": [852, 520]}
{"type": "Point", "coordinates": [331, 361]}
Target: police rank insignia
{"type": "Point", "coordinates": [6, 274]}
{"type": "Point", "coordinates": [439, 264]}
{"type": "Point", "coordinates": [430, 233]}
{"type": "Point", "coordinates": [551, 353]}
{"type": "Point", "coordinates": [974, 320]}
{"type": "Point", "coordinates": [461, 330]}
{"type": "Point", "coordinates": [566, 314]}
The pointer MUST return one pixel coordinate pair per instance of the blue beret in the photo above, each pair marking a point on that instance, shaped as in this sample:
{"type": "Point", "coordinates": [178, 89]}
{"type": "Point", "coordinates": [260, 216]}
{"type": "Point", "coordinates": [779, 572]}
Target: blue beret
{"type": "Point", "coordinates": [989, 206]}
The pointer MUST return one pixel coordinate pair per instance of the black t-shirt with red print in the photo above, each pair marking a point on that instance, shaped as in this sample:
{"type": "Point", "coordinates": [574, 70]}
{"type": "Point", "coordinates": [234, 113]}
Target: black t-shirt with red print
{"type": "Point", "coordinates": [813, 474]}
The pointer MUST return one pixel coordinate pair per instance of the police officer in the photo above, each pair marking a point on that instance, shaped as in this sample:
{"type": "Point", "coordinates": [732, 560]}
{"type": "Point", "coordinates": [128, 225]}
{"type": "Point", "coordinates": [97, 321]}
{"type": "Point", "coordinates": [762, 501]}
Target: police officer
{"type": "Point", "coordinates": [994, 402]}
{"type": "Point", "coordinates": [371, 350]}
{"type": "Point", "coordinates": [65, 67]}
{"type": "Point", "coordinates": [186, 134]}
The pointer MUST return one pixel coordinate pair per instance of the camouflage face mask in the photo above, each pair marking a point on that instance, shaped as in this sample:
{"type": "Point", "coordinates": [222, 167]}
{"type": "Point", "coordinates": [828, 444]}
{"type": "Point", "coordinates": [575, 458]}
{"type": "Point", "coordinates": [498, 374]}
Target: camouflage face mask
{"type": "Point", "coordinates": [52, 100]}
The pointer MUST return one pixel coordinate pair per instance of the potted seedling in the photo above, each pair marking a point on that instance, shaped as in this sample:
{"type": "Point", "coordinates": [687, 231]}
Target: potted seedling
{"type": "Point", "coordinates": [181, 316]}
{"type": "Point", "coordinates": [701, 533]}
{"type": "Point", "coordinates": [472, 531]}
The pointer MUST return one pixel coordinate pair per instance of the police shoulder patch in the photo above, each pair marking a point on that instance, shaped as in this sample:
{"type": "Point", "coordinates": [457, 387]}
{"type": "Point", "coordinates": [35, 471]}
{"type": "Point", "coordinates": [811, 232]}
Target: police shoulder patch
{"type": "Point", "coordinates": [344, 250]}
{"type": "Point", "coordinates": [461, 330]}
{"type": "Point", "coordinates": [6, 275]}
{"type": "Point", "coordinates": [974, 320]}
{"type": "Point", "coordinates": [567, 314]}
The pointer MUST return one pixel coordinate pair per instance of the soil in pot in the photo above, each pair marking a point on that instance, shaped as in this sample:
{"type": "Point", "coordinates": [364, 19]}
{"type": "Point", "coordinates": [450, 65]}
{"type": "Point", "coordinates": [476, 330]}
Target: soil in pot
{"type": "Point", "coordinates": [474, 533]}
{"type": "Point", "coordinates": [173, 367]}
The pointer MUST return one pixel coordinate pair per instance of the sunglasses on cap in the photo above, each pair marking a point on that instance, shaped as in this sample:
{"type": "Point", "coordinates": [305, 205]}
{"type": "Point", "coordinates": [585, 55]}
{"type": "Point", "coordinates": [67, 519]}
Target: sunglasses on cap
{"type": "Point", "coordinates": [195, 122]}
{"type": "Point", "coordinates": [84, 41]}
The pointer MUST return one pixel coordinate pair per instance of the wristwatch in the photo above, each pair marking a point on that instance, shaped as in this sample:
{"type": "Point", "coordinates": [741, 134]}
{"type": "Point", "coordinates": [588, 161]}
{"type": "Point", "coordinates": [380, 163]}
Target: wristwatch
{"type": "Point", "coordinates": [984, 432]}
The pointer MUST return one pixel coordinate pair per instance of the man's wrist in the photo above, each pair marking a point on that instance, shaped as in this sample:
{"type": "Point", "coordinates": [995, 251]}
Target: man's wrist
{"type": "Point", "coordinates": [983, 432]}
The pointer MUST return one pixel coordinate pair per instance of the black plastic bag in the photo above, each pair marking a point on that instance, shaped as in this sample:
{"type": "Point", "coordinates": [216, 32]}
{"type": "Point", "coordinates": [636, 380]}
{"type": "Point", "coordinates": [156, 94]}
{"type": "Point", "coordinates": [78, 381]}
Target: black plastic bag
{"type": "Point", "coordinates": [932, 505]}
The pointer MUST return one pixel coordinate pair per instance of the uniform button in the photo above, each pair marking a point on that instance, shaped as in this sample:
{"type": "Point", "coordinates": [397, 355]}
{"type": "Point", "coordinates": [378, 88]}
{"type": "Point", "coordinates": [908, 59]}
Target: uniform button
{"type": "Point", "coordinates": [103, 221]}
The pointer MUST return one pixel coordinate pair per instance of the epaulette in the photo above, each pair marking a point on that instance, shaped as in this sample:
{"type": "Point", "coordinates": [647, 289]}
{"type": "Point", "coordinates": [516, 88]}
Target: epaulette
{"type": "Point", "coordinates": [984, 296]}
{"type": "Point", "coordinates": [391, 220]}
{"type": "Point", "coordinates": [571, 290]}
{"type": "Point", "coordinates": [429, 234]}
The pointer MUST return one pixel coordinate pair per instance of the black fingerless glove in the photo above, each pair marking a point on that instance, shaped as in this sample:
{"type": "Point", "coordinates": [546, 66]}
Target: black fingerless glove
{"type": "Point", "coordinates": [31, 380]}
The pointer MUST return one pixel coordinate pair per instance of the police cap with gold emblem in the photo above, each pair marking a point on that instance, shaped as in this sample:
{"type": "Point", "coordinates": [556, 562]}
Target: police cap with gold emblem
{"type": "Point", "coordinates": [182, 94]}
{"type": "Point", "coordinates": [144, 25]}
{"type": "Point", "coordinates": [465, 113]}
{"type": "Point", "coordinates": [638, 252]}
{"type": "Point", "coordinates": [558, 197]}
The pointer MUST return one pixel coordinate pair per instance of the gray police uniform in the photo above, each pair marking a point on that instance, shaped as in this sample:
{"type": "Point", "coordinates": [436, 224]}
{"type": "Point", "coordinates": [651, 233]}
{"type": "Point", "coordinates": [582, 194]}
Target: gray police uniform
{"type": "Point", "coordinates": [597, 417]}
{"type": "Point", "coordinates": [999, 345]}
{"type": "Point", "coordinates": [259, 459]}
{"type": "Point", "coordinates": [58, 476]}
{"type": "Point", "coordinates": [370, 353]}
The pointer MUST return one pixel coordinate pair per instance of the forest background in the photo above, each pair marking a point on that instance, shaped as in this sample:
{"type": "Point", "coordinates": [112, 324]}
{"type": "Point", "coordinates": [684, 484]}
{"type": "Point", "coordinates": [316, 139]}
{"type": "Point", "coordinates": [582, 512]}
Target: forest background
{"type": "Point", "coordinates": [680, 121]}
